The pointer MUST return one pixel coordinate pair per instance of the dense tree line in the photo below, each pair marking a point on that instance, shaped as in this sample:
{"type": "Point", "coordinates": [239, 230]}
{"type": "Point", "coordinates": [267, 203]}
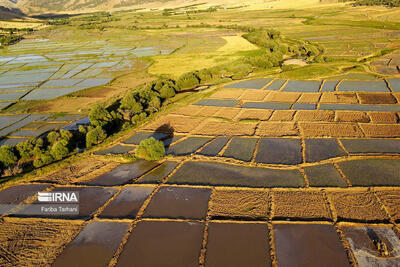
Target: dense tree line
{"type": "Point", "coordinates": [388, 3]}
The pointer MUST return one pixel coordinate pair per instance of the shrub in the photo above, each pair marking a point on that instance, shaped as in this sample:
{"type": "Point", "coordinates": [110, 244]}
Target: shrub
{"type": "Point", "coordinates": [150, 149]}
{"type": "Point", "coordinates": [139, 117]}
{"type": "Point", "coordinates": [95, 136]}
{"type": "Point", "coordinates": [53, 136]}
{"type": "Point", "coordinates": [43, 159]}
{"type": "Point", "coordinates": [26, 149]}
{"type": "Point", "coordinates": [154, 104]}
{"type": "Point", "coordinates": [7, 156]}
{"type": "Point", "coordinates": [204, 75]}
{"type": "Point", "coordinates": [129, 102]}
{"type": "Point", "coordinates": [188, 80]}
{"type": "Point", "coordinates": [166, 91]}
{"type": "Point", "coordinates": [59, 150]}
{"type": "Point", "coordinates": [99, 116]}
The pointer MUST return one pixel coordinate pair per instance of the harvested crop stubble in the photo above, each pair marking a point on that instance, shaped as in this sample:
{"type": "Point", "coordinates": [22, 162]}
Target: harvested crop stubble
{"type": "Point", "coordinates": [271, 129]}
{"type": "Point", "coordinates": [376, 98]}
{"type": "Point", "coordinates": [299, 204]}
{"type": "Point", "coordinates": [351, 116]}
{"type": "Point", "coordinates": [391, 199]}
{"type": "Point", "coordinates": [381, 130]}
{"type": "Point", "coordinates": [339, 98]}
{"type": "Point", "coordinates": [34, 242]}
{"type": "Point", "coordinates": [309, 98]}
{"type": "Point", "coordinates": [227, 113]}
{"type": "Point", "coordinates": [228, 94]}
{"type": "Point", "coordinates": [254, 95]}
{"type": "Point", "coordinates": [314, 115]}
{"type": "Point", "coordinates": [237, 203]}
{"type": "Point", "coordinates": [383, 117]}
{"type": "Point", "coordinates": [397, 96]}
{"type": "Point", "coordinates": [361, 205]}
{"type": "Point", "coordinates": [191, 110]}
{"type": "Point", "coordinates": [330, 130]}
{"type": "Point", "coordinates": [212, 127]}
{"type": "Point", "coordinates": [208, 111]}
{"type": "Point", "coordinates": [254, 114]}
{"type": "Point", "coordinates": [178, 123]}
{"type": "Point", "coordinates": [288, 97]}
{"type": "Point", "coordinates": [282, 115]}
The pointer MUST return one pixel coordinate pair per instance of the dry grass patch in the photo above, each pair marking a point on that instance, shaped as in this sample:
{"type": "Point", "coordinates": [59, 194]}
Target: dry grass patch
{"type": "Point", "coordinates": [339, 98]}
{"type": "Point", "coordinates": [208, 111]}
{"type": "Point", "coordinates": [357, 205]}
{"type": "Point", "coordinates": [273, 129]}
{"type": "Point", "coordinates": [254, 114]}
{"type": "Point", "coordinates": [351, 116]}
{"type": "Point", "coordinates": [178, 123]}
{"type": "Point", "coordinates": [227, 113]}
{"type": "Point", "coordinates": [239, 203]}
{"type": "Point", "coordinates": [376, 98]}
{"type": "Point", "coordinates": [213, 127]}
{"type": "Point", "coordinates": [299, 204]}
{"type": "Point", "coordinates": [314, 115]}
{"type": "Point", "coordinates": [282, 115]}
{"type": "Point", "coordinates": [383, 117]}
{"type": "Point", "coordinates": [391, 199]}
{"type": "Point", "coordinates": [287, 97]}
{"type": "Point", "coordinates": [228, 94]}
{"type": "Point", "coordinates": [254, 95]}
{"type": "Point", "coordinates": [381, 130]}
{"type": "Point", "coordinates": [330, 130]}
{"type": "Point", "coordinates": [309, 98]}
{"type": "Point", "coordinates": [191, 110]}
{"type": "Point", "coordinates": [34, 242]}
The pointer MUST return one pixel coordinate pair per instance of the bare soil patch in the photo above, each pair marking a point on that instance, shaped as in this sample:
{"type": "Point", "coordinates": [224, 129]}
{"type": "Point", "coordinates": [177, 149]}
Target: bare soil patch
{"type": "Point", "coordinates": [276, 129]}
{"type": "Point", "coordinates": [282, 115]}
{"type": "Point", "coordinates": [227, 113]}
{"type": "Point", "coordinates": [381, 130]}
{"type": "Point", "coordinates": [254, 114]}
{"type": "Point", "coordinates": [351, 116]}
{"type": "Point", "coordinates": [254, 95]}
{"type": "Point", "coordinates": [288, 97]}
{"type": "Point", "coordinates": [191, 110]}
{"type": "Point", "coordinates": [228, 94]}
{"type": "Point", "coordinates": [315, 115]}
{"type": "Point", "coordinates": [309, 98]}
{"type": "Point", "coordinates": [383, 117]}
{"type": "Point", "coordinates": [339, 98]}
{"type": "Point", "coordinates": [212, 127]}
{"type": "Point", "coordinates": [330, 130]}
{"type": "Point", "coordinates": [376, 98]}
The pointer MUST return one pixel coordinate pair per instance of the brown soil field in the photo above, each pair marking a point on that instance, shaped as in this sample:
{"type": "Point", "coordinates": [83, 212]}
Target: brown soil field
{"type": "Point", "coordinates": [208, 111]}
{"type": "Point", "coordinates": [381, 130]}
{"type": "Point", "coordinates": [361, 205]}
{"type": "Point", "coordinates": [34, 242]}
{"type": "Point", "coordinates": [227, 113]}
{"type": "Point", "coordinates": [254, 114]}
{"type": "Point", "coordinates": [309, 98]}
{"type": "Point", "coordinates": [78, 170]}
{"type": "Point", "coordinates": [315, 115]}
{"type": "Point", "coordinates": [339, 98]}
{"type": "Point", "coordinates": [254, 95]}
{"type": "Point", "coordinates": [213, 127]}
{"type": "Point", "coordinates": [351, 116]}
{"type": "Point", "coordinates": [191, 110]}
{"type": "Point", "coordinates": [330, 130]}
{"type": "Point", "coordinates": [383, 117]}
{"type": "Point", "coordinates": [391, 199]}
{"type": "Point", "coordinates": [282, 115]}
{"type": "Point", "coordinates": [299, 204]}
{"type": "Point", "coordinates": [228, 94]}
{"type": "Point", "coordinates": [178, 123]}
{"type": "Point", "coordinates": [239, 203]}
{"type": "Point", "coordinates": [277, 129]}
{"type": "Point", "coordinates": [397, 96]}
{"type": "Point", "coordinates": [290, 97]}
{"type": "Point", "coordinates": [376, 98]}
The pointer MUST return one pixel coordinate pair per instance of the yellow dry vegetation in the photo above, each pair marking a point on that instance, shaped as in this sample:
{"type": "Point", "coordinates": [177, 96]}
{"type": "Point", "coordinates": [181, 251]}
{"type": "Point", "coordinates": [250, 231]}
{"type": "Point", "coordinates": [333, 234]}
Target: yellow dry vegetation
{"type": "Point", "coordinates": [236, 43]}
{"type": "Point", "coordinates": [21, 25]}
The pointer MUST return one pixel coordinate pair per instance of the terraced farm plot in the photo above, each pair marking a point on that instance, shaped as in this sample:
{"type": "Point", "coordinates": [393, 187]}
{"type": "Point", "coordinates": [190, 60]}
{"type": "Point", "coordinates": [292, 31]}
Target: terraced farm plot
{"type": "Point", "coordinates": [250, 84]}
{"type": "Point", "coordinates": [391, 199]}
{"type": "Point", "coordinates": [157, 175]}
{"type": "Point", "coordinates": [362, 86]}
{"type": "Point", "coordinates": [140, 136]}
{"type": "Point", "coordinates": [276, 85]}
{"type": "Point", "coordinates": [302, 86]}
{"type": "Point", "coordinates": [214, 147]}
{"type": "Point", "coordinates": [279, 151]}
{"type": "Point", "coordinates": [359, 146]}
{"type": "Point", "coordinates": [217, 102]}
{"type": "Point", "coordinates": [241, 148]}
{"type": "Point", "coordinates": [325, 175]}
{"type": "Point", "coordinates": [322, 149]}
{"type": "Point", "coordinates": [115, 150]}
{"type": "Point", "coordinates": [187, 146]}
{"type": "Point", "coordinates": [329, 86]}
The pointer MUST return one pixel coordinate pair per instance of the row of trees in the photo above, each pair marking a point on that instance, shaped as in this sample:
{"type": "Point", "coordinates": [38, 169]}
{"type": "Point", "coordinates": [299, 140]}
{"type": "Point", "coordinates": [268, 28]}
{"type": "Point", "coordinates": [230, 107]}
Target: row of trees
{"type": "Point", "coordinates": [388, 3]}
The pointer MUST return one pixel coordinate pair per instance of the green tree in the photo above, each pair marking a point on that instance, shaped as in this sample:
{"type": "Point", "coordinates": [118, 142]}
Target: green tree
{"type": "Point", "coordinates": [167, 91]}
{"type": "Point", "coordinates": [43, 159]}
{"type": "Point", "coordinates": [53, 136]}
{"type": "Point", "coordinates": [150, 149]}
{"type": "Point", "coordinates": [7, 156]}
{"type": "Point", "coordinates": [129, 102]}
{"type": "Point", "coordinates": [26, 149]}
{"type": "Point", "coordinates": [95, 136]}
{"type": "Point", "coordinates": [59, 150]}
{"type": "Point", "coordinates": [188, 80]}
{"type": "Point", "coordinates": [99, 116]}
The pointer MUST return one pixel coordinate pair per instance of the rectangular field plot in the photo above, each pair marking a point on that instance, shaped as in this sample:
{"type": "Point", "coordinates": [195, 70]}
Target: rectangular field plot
{"type": "Point", "coordinates": [214, 147]}
{"type": "Point", "coordinates": [21, 123]}
{"type": "Point", "coordinates": [329, 86]}
{"type": "Point", "coordinates": [128, 202]}
{"type": "Point", "coordinates": [7, 120]}
{"type": "Point", "coordinates": [276, 85]}
{"type": "Point", "coordinates": [325, 175]}
{"type": "Point", "coordinates": [217, 102]}
{"type": "Point", "coordinates": [44, 94]}
{"type": "Point", "coordinates": [188, 146]}
{"type": "Point", "coordinates": [176, 244]}
{"type": "Point", "coordinates": [237, 244]}
{"type": "Point", "coordinates": [394, 84]}
{"type": "Point", "coordinates": [250, 84]}
{"type": "Point", "coordinates": [93, 82]}
{"type": "Point", "coordinates": [61, 83]}
{"type": "Point", "coordinates": [115, 150]}
{"type": "Point", "coordinates": [265, 105]}
{"type": "Point", "coordinates": [372, 172]}
{"type": "Point", "coordinates": [140, 136]}
{"type": "Point", "coordinates": [303, 106]}
{"type": "Point", "coordinates": [11, 96]}
{"type": "Point", "coordinates": [158, 174]}
{"type": "Point", "coordinates": [213, 173]}
{"type": "Point", "coordinates": [356, 107]}
{"type": "Point", "coordinates": [26, 78]}
{"type": "Point", "coordinates": [322, 149]}
{"type": "Point", "coordinates": [12, 141]}
{"type": "Point", "coordinates": [302, 86]}
{"type": "Point", "coordinates": [241, 148]}
{"type": "Point", "coordinates": [356, 146]}
{"type": "Point", "coordinates": [279, 151]}
{"type": "Point", "coordinates": [308, 245]}
{"type": "Point", "coordinates": [363, 86]}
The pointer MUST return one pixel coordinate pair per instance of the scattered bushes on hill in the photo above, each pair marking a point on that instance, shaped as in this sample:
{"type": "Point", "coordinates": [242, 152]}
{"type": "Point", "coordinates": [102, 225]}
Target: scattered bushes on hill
{"type": "Point", "coordinates": [150, 149]}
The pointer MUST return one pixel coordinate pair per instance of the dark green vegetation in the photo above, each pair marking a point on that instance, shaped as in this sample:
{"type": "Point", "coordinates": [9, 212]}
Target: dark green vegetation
{"type": "Point", "coordinates": [150, 149]}
{"type": "Point", "coordinates": [389, 3]}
